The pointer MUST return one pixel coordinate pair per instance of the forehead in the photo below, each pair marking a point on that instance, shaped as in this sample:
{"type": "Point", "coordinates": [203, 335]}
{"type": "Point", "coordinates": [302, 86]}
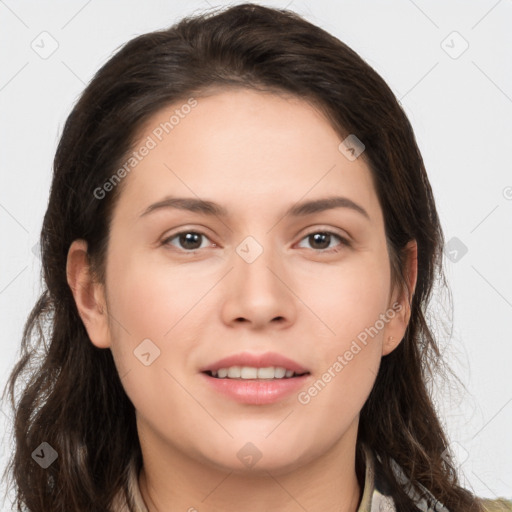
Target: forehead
{"type": "Point", "coordinates": [247, 147]}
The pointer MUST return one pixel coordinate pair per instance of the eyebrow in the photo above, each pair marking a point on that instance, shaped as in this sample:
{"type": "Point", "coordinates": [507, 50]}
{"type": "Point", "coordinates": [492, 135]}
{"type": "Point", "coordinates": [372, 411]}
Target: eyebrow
{"type": "Point", "coordinates": [214, 209]}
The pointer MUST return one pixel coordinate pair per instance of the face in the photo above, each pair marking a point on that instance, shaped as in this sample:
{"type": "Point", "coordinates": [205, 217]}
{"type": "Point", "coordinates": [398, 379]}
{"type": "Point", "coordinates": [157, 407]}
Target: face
{"type": "Point", "coordinates": [259, 279]}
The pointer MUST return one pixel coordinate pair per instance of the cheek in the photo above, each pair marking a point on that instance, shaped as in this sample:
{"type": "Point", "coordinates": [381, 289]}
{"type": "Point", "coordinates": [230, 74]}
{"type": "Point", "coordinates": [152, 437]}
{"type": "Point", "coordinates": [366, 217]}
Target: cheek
{"type": "Point", "coordinates": [346, 300]}
{"type": "Point", "coordinates": [149, 299]}
{"type": "Point", "coordinates": [347, 359]}
{"type": "Point", "coordinates": [148, 310]}
{"type": "Point", "coordinates": [351, 304]}
{"type": "Point", "coordinates": [151, 339]}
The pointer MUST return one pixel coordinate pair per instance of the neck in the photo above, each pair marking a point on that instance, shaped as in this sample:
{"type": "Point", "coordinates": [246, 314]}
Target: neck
{"type": "Point", "coordinates": [178, 482]}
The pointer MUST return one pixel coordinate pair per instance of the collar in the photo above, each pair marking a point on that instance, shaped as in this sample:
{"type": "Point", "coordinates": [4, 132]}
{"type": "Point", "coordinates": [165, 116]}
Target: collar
{"type": "Point", "coordinates": [377, 496]}
{"type": "Point", "coordinates": [373, 498]}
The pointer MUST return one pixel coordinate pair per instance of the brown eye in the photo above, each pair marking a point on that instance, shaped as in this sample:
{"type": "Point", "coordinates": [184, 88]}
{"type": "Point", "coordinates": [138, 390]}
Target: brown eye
{"type": "Point", "coordinates": [321, 241]}
{"type": "Point", "coordinates": [187, 240]}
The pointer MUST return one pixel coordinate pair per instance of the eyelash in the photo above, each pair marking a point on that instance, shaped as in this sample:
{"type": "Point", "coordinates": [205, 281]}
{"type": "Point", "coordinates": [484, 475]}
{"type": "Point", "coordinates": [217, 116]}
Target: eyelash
{"type": "Point", "coordinates": [343, 241]}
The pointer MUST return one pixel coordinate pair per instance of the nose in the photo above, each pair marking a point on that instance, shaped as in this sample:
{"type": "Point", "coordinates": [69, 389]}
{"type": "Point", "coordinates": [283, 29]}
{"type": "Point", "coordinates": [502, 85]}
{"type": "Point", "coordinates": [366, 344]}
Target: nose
{"type": "Point", "coordinates": [259, 290]}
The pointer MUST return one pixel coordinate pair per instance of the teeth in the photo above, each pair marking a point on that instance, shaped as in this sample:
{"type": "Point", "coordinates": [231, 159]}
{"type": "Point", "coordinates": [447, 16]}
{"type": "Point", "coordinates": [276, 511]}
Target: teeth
{"type": "Point", "coordinates": [234, 372]}
{"type": "Point", "coordinates": [247, 372]}
{"type": "Point", "coordinates": [250, 372]}
{"type": "Point", "coordinates": [279, 372]}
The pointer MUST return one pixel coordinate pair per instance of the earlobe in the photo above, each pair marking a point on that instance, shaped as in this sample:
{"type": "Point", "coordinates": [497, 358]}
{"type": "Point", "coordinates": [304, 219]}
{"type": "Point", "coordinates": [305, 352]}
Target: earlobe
{"type": "Point", "coordinates": [390, 344]}
{"type": "Point", "coordinates": [397, 327]}
{"type": "Point", "coordinates": [88, 294]}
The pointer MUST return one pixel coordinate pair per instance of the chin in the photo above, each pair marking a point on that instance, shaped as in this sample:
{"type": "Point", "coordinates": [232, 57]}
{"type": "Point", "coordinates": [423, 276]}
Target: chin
{"type": "Point", "coordinates": [255, 458]}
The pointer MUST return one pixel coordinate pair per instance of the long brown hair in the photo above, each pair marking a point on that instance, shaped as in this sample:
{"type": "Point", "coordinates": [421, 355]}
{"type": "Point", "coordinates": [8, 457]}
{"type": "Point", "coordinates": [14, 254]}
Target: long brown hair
{"type": "Point", "coordinates": [71, 395]}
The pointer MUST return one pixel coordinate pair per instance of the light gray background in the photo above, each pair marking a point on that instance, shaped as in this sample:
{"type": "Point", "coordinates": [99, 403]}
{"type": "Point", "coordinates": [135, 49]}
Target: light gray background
{"type": "Point", "coordinates": [459, 105]}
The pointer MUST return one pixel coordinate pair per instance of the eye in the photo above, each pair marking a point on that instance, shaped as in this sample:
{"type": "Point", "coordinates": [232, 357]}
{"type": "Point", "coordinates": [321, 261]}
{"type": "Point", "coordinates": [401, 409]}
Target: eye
{"type": "Point", "coordinates": [323, 239]}
{"type": "Point", "coordinates": [188, 240]}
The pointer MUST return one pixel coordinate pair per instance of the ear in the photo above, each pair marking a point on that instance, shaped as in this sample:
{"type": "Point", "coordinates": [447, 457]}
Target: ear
{"type": "Point", "coordinates": [88, 294]}
{"type": "Point", "coordinates": [401, 301]}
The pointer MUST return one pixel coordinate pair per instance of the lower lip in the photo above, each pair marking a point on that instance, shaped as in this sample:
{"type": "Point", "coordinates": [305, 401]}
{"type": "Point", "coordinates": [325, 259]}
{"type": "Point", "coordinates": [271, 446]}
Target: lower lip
{"type": "Point", "coordinates": [256, 392]}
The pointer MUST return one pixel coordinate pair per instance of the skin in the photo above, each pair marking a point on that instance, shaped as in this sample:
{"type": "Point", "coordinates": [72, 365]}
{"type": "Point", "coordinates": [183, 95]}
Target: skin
{"type": "Point", "coordinates": [256, 154]}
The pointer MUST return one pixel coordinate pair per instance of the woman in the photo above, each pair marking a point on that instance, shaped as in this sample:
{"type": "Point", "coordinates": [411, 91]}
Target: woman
{"type": "Point", "coordinates": [255, 367]}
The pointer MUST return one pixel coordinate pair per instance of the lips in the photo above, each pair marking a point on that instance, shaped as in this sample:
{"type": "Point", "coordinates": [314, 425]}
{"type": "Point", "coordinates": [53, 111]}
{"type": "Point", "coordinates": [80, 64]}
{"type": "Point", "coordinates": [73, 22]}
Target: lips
{"type": "Point", "coordinates": [257, 361]}
{"type": "Point", "coordinates": [256, 391]}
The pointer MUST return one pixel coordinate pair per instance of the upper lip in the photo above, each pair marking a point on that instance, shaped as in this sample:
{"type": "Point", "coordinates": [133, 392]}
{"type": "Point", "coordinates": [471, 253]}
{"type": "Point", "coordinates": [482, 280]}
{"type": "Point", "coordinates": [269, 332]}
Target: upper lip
{"type": "Point", "coordinates": [256, 360]}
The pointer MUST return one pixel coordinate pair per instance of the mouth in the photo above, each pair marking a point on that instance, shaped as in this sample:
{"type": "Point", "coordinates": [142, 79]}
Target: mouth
{"type": "Point", "coordinates": [254, 373]}
{"type": "Point", "coordinates": [255, 379]}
